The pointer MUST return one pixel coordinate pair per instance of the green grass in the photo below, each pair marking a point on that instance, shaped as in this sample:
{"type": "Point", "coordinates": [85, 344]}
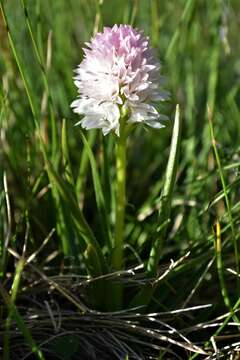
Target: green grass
{"type": "Point", "coordinates": [58, 190]}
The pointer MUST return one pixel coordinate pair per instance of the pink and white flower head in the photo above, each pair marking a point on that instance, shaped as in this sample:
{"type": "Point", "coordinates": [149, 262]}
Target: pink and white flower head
{"type": "Point", "coordinates": [119, 71]}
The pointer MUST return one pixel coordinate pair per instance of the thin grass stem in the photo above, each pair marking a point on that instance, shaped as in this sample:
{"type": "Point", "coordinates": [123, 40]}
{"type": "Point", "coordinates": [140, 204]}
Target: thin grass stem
{"type": "Point", "coordinates": [220, 266]}
{"type": "Point", "coordinates": [227, 201]}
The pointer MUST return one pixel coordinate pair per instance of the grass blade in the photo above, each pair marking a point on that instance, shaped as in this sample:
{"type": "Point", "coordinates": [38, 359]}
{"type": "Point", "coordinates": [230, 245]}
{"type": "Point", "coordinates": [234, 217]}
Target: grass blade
{"type": "Point", "coordinates": [220, 267]}
{"type": "Point", "coordinates": [145, 294]}
{"type": "Point", "coordinates": [83, 168]}
{"type": "Point", "coordinates": [46, 84]}
{"type": "Point", "coordinates": [167, 193]}
{"type": "Point", "coordinates": [21, 325]}
{"type": "Point", "coordinates": [15, 287]}
{"type": "Point", "coordinates": [65, 153]}
{"type": "Point", "coordinates": [99, 195]}
{"type": "Point", "coordinates": [225, 190]}
{"type": "Point", "coordinates": [185, 18]}
{"type": "Point", "coordinates": [76, 214]}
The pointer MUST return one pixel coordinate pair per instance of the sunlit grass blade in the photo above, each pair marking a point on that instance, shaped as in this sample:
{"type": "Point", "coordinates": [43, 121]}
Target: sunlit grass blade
{"type": "Point", "coordinates": [145, 294]}
{"type": "Point", "coordinates": [166, 195]}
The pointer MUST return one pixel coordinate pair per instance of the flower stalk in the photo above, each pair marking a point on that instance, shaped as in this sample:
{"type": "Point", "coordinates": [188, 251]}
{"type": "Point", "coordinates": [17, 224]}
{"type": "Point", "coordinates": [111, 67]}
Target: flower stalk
{"type": "Point", "coordinates": [117, 260]}
{"type": "Point", "coordinates": [117, 256]}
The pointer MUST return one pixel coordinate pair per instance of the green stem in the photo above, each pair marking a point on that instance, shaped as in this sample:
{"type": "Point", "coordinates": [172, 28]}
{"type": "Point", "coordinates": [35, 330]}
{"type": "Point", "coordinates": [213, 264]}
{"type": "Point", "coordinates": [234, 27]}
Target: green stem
{"type": "Point", "coordinates": [117, 260]}
{"type": "Point", "coordinates": [117, 256]}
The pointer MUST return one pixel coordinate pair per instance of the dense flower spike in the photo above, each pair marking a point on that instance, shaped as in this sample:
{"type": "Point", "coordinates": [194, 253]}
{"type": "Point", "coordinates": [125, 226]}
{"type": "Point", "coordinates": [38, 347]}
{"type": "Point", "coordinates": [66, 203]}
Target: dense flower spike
{"type": "Point", "coordinates": [119, 69]}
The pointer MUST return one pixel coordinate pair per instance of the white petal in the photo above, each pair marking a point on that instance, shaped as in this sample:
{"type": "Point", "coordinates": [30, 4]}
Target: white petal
{"type": "Point", "coordinates": [111, 112]}
{"type": "Point", "coordinates": [82, 105]}
{"type": "Point", "coordinates": [154, 124]}
{"type": "Point", "coordinates": [91, 123]}
{"type": "Point", "coordinates": [160, 96]}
